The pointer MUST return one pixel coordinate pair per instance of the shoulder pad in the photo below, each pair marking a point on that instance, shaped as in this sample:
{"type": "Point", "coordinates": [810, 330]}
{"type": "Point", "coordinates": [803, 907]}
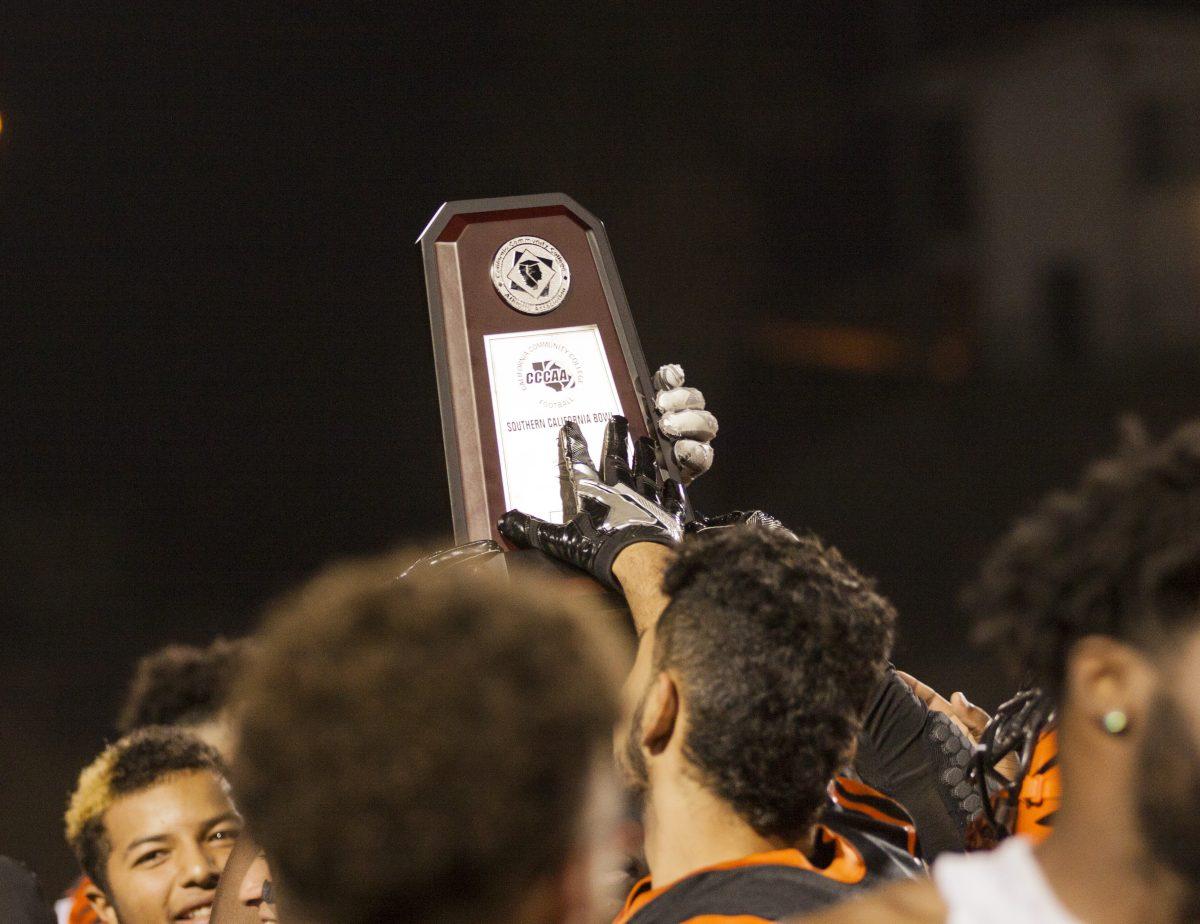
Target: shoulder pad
{"type": "Point", "coordinates": [857, 811]}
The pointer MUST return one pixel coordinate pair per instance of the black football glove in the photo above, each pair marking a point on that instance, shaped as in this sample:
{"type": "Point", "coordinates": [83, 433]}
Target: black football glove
{"type": "Point", "coordinates": [702, 524]}
{"type": "Point", "coordinates": [919, 757]}
{"type": "Point", "coordinates": [605, 510]}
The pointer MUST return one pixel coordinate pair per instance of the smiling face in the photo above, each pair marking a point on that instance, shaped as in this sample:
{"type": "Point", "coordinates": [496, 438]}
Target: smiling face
{"type": "Point", "coordinates": [168, 844]}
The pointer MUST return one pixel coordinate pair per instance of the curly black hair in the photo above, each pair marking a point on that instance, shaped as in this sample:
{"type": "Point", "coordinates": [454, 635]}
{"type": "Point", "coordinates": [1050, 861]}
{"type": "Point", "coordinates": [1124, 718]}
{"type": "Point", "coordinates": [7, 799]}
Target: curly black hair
{"type": "Point", "coordinates": [1119, 555]}
{"type": "Point", "coordinates": [419, 750]}
{"type": "Point", "coordinates": [779, 642]}
{"type": "Point", "coordinates": [134, 763]}
{"type": "Point", "coordinates": [180, 685]}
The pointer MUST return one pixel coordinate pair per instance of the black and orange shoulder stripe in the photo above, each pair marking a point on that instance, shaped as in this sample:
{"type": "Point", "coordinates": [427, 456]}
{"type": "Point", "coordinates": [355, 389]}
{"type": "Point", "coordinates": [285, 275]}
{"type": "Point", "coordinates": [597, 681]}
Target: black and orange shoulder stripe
{"type": "Point", "coordinates": [856, 796]}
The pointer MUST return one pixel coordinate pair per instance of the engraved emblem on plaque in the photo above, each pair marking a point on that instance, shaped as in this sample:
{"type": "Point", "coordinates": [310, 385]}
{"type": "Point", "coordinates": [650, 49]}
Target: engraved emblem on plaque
{"type": "Point", "coordinates": [531, 275]}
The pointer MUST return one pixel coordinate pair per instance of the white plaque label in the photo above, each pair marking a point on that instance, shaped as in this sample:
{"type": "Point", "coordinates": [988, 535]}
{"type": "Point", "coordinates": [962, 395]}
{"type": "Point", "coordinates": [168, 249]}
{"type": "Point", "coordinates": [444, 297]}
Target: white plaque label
{"type": "Point", "coordinates": [540, 380]}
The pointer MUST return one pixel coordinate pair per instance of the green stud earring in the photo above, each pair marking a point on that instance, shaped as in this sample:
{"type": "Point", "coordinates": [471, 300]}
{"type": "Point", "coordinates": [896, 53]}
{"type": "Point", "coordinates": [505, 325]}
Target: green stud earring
{"type": "Point", "coordinates": [1115, 721]}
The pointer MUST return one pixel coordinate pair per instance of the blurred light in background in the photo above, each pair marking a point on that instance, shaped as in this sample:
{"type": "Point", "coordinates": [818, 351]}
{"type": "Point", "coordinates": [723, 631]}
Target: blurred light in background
{"type": "Point", "coordinates": [866, 350]}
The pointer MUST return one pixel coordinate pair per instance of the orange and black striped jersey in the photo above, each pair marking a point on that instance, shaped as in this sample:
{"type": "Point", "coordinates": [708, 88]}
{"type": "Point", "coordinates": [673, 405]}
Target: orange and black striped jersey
{"type": "Point", "coordinates": [874, 812]}
{"type": "Point", "coordinates": [81, 911]}
{"type": "Point", "coordinates": [863, 839]}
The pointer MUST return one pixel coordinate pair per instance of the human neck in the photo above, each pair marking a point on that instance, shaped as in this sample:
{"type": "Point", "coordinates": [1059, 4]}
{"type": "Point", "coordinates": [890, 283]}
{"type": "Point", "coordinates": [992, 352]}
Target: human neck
{"type": "Point", "coordinates": [1097, 862]}
{"type": "Point", "coordinates": [688, 828]}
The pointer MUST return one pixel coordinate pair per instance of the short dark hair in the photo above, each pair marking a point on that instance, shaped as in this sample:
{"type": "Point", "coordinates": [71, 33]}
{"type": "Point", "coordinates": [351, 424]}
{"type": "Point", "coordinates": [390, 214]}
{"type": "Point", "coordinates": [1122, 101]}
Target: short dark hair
{"type": "Point", "coordinates": [420, 750]}
{"type": "Point", "coordinates": [1118, 555]}
{"type": "Point", "coordinates": [779, 642]}
{"type": "Point", "coordinates": [136, 762]}
{"type": "Point", "coordinates": [180, 685]}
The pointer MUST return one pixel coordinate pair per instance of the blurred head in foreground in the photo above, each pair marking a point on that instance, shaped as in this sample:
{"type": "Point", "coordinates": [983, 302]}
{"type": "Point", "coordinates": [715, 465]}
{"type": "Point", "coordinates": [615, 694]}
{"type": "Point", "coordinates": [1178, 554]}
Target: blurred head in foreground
{"type": "Point", "coordinates": [152, 824]}
{"type": "Point", "coordinates": [1097, 593]}
{"type": "Point", "coordinates": [431, 749]}
{"type": "Point", "coordinates": [1095, 598]}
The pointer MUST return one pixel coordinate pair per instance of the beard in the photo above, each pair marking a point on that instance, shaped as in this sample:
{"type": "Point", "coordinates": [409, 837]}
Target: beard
{"type": "Point", "coordinates": [1168, 801]}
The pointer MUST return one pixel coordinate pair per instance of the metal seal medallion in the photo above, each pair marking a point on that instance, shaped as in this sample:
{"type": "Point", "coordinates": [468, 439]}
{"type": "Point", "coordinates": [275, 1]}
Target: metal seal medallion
{"type": "Point", "coordinates": [531, 275]}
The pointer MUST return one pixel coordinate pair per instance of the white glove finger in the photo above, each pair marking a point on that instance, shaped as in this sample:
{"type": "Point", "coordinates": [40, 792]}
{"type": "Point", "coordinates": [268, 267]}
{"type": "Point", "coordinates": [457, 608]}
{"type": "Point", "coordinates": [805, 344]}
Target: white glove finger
{"type": "Point", "coordinates": [690, 425]}
{"type": "Point", "coordinates": [679, 399]}
{"type": "Point", "coordinates": [669, 376]}
{"type": "Point", "coordinates": [694, 459]}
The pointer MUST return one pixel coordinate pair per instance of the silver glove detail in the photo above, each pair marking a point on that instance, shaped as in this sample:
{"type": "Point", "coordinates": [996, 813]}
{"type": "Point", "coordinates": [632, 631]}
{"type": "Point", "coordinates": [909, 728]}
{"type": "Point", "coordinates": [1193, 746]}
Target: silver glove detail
{"type": "Point", "coordinates": [669, 376]}
{"type": "Point", "coordinates": [624, 505]}
{"type": "Point", "coordinates": [678, 399]}
{"type": "Point", "coordinates": [683, 420]}
{"type": "Point", "coordinates": [694, 458]}
{"type": "Point", "coordinates": [690, 425]}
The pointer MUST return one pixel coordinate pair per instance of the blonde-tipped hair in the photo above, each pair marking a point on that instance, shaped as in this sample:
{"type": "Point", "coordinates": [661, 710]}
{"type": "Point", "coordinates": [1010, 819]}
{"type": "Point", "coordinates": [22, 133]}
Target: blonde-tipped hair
{"type": "Point", "coordinates": [93, 793]}
{"type": "Point", "coordinates": [136, 762]}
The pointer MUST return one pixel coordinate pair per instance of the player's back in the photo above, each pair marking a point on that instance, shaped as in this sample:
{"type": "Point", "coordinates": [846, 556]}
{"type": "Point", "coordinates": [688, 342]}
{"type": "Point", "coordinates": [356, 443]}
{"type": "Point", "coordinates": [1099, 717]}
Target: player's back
{"type": "Point", "coordinates": [864, 840]}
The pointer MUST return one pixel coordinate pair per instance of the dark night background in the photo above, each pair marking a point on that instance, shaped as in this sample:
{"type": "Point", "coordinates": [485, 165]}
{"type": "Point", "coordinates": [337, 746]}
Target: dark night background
{"type": "Point", "coordinates": [218, 372]}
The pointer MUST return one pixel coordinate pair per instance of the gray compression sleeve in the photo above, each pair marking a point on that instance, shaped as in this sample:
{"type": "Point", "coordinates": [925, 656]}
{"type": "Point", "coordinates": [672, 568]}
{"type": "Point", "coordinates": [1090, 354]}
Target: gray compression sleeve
{"type": "Point", "coordinates": [919, 757]}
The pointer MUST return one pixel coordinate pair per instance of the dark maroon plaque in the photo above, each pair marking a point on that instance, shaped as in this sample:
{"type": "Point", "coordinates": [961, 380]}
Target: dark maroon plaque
{"type": "Point", "coordinates": [530, 328]}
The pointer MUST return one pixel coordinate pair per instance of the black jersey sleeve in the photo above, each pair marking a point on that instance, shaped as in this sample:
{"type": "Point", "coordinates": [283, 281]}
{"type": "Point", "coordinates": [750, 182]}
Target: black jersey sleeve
{"type": "Point", "coordinates": [20, 898]}
{"type": "Point", "coordinates": [919, 757]}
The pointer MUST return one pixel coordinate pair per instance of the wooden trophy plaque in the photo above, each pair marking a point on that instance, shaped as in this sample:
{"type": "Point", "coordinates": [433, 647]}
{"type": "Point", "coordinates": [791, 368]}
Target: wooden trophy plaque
{"type": "Point", "coordinates": [530, 329]}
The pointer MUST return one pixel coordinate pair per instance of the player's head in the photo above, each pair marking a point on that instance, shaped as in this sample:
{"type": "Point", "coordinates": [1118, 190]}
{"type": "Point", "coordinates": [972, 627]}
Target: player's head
{"type": "Point", "coordinates": [756, 675]}
{"type": "Point", "coordinates": [187, 686]}
{"type": "Point", "coordinates": [151, 823]}
{"type": "Point", "coordinates": [430, 749]}
{"type": "Point", "coordinates": [256, 890]}
{"type": "Point", "coordinates": [1097, 593]}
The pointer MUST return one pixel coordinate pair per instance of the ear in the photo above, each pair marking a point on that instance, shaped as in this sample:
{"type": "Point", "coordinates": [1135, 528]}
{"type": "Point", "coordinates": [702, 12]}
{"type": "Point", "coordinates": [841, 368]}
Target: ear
{"type": "Point", "coordinates": [661, 713]}
{"type": "Point", "coordinates": [1104, 674]}
{"type": "Point", "coordinates": [105, 910]}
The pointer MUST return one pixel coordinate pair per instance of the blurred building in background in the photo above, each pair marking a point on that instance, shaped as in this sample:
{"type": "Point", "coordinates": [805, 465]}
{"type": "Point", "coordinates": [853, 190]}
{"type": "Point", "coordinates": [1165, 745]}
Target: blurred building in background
{"type": "Point", "coordinates": [1056, 179]}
